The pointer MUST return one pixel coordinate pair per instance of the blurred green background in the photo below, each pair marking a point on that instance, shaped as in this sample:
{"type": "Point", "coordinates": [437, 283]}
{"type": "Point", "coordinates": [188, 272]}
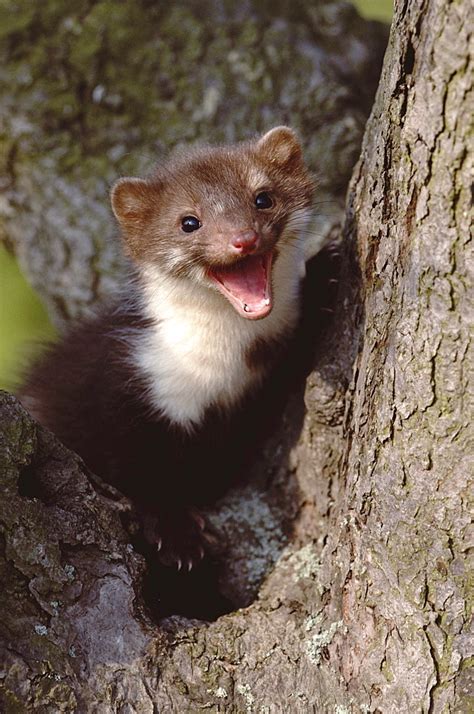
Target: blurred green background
{"type": "Point", "coordinates": [375, 9]}
{"type": "Point", "coordinates": [23, 320]}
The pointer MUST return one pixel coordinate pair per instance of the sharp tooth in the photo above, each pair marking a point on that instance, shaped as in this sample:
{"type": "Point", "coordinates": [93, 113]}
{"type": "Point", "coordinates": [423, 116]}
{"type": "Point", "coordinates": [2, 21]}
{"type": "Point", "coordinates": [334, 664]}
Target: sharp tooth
{"type": "Point", "coordinates": [267, 301]}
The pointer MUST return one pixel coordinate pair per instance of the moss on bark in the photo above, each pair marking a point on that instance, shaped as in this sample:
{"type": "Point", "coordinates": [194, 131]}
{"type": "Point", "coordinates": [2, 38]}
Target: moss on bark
{"type": "Point", "coordinates": [366, 608]}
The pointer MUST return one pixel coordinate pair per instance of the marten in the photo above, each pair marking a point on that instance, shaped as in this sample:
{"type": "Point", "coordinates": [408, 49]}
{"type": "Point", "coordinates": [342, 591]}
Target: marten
{"type": "Point", "coordinates": [162, 393]}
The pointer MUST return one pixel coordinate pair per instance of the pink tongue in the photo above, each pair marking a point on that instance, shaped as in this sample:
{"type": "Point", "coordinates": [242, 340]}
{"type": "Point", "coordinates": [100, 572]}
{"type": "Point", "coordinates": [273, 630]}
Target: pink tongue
{"type": "Point", "coordinates": [247, 282]}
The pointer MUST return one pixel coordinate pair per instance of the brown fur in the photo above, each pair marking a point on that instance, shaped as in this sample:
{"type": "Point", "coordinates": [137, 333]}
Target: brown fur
{"type": "Point", "coordinates": [90, 390]}
{"type": "Point", "coordinates": [150, 211]}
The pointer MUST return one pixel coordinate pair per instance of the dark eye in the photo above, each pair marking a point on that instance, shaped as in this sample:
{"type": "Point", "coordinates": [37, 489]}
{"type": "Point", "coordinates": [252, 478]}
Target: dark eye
{"type": "Point", "coordinates": [190, 224]}
{"type": "Point", "coordinates": [263, 200]}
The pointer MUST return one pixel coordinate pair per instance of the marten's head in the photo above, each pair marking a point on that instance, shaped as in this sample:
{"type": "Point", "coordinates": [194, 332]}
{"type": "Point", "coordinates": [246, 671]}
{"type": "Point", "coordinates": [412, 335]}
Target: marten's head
{"type": "Point", "coordinates": [220, 215]}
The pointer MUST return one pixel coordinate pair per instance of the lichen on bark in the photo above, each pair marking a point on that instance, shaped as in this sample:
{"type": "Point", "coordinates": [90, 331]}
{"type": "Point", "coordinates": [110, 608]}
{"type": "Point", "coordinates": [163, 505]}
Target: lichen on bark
{"type": "Point", "coordinates": [402, 562]}
{"type": "Point", "coordinates": [68, 572]}
{"type": "Point", "coordinates": [366, 605]}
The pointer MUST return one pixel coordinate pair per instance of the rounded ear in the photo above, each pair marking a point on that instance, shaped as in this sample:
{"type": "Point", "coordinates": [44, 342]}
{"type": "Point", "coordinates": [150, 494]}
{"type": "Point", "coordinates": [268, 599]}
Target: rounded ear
{"type": "Point", "coordinates": [280, 146]}
{"type": "Point", "coordinates": [131, 200]}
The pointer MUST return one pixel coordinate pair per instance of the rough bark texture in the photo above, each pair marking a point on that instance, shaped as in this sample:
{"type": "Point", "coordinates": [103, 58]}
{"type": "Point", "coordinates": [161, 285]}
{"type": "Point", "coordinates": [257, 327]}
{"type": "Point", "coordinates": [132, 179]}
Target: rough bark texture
{"type": "Point", "coordinates": [400, 558]}
{"type": "Point", "coordinates": [364, 607]}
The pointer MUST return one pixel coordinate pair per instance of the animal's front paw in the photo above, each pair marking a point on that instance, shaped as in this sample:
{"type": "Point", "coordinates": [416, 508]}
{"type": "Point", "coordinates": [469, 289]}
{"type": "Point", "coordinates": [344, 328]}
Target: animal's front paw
{"type": "Point", "coordinates": [180, 537]}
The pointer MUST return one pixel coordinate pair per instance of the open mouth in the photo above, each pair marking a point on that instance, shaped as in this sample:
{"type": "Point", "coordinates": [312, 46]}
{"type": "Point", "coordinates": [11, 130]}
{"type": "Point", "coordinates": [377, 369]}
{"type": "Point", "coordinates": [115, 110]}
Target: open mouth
{"type": "Point", "coordinates": [247, 285]}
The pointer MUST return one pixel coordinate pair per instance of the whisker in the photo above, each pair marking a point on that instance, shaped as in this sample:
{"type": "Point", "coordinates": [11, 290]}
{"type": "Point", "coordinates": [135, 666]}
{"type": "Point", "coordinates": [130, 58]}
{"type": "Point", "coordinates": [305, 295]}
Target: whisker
{"type": "Point", "coordinates": [329, 200]}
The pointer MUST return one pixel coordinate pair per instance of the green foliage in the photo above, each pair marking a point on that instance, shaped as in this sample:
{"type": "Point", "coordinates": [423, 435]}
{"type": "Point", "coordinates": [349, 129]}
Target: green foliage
{"type": "Point", "coordinates": [375, 9]}
{"type": "Point", "coordinates": [22, 319]}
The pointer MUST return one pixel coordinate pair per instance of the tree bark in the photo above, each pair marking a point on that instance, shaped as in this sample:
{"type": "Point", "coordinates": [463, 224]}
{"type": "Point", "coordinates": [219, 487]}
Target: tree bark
{"type": "Point", "coordinates": [353, 561]}
{"type": "Point", "coordinates": [397, 548]}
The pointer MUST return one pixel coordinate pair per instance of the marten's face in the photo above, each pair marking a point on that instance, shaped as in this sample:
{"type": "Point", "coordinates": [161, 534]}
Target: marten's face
{"type": "Point", "coordinates": [220, 216]}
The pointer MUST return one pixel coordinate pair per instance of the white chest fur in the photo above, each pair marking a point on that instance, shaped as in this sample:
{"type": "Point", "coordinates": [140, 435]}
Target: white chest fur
{"type": "Point", "coordinates": [195, 354]}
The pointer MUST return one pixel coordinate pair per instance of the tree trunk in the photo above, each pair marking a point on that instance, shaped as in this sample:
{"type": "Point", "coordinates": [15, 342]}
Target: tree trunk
{"type": "Point", "coordinates": [357, 518]}
{"type": "Point", "coordinates": [395, 560]}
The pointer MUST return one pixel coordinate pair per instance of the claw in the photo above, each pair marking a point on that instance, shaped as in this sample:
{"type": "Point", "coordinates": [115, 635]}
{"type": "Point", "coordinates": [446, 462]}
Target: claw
{"type": "Point", "coordinates": [159, 543]}
{"type": "Point", "coordinates": [201, 552]}
{"type": "Point", "coordinates": [190, 565]}
{"type": "Point", "coordinates": [179, 564]}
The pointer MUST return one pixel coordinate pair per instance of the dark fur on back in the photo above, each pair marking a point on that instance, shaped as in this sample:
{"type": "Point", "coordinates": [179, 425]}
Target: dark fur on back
{"type": "Point", "coordinates": [87, 390]}
{"type": "Point", "coordinates": [163, 469]}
